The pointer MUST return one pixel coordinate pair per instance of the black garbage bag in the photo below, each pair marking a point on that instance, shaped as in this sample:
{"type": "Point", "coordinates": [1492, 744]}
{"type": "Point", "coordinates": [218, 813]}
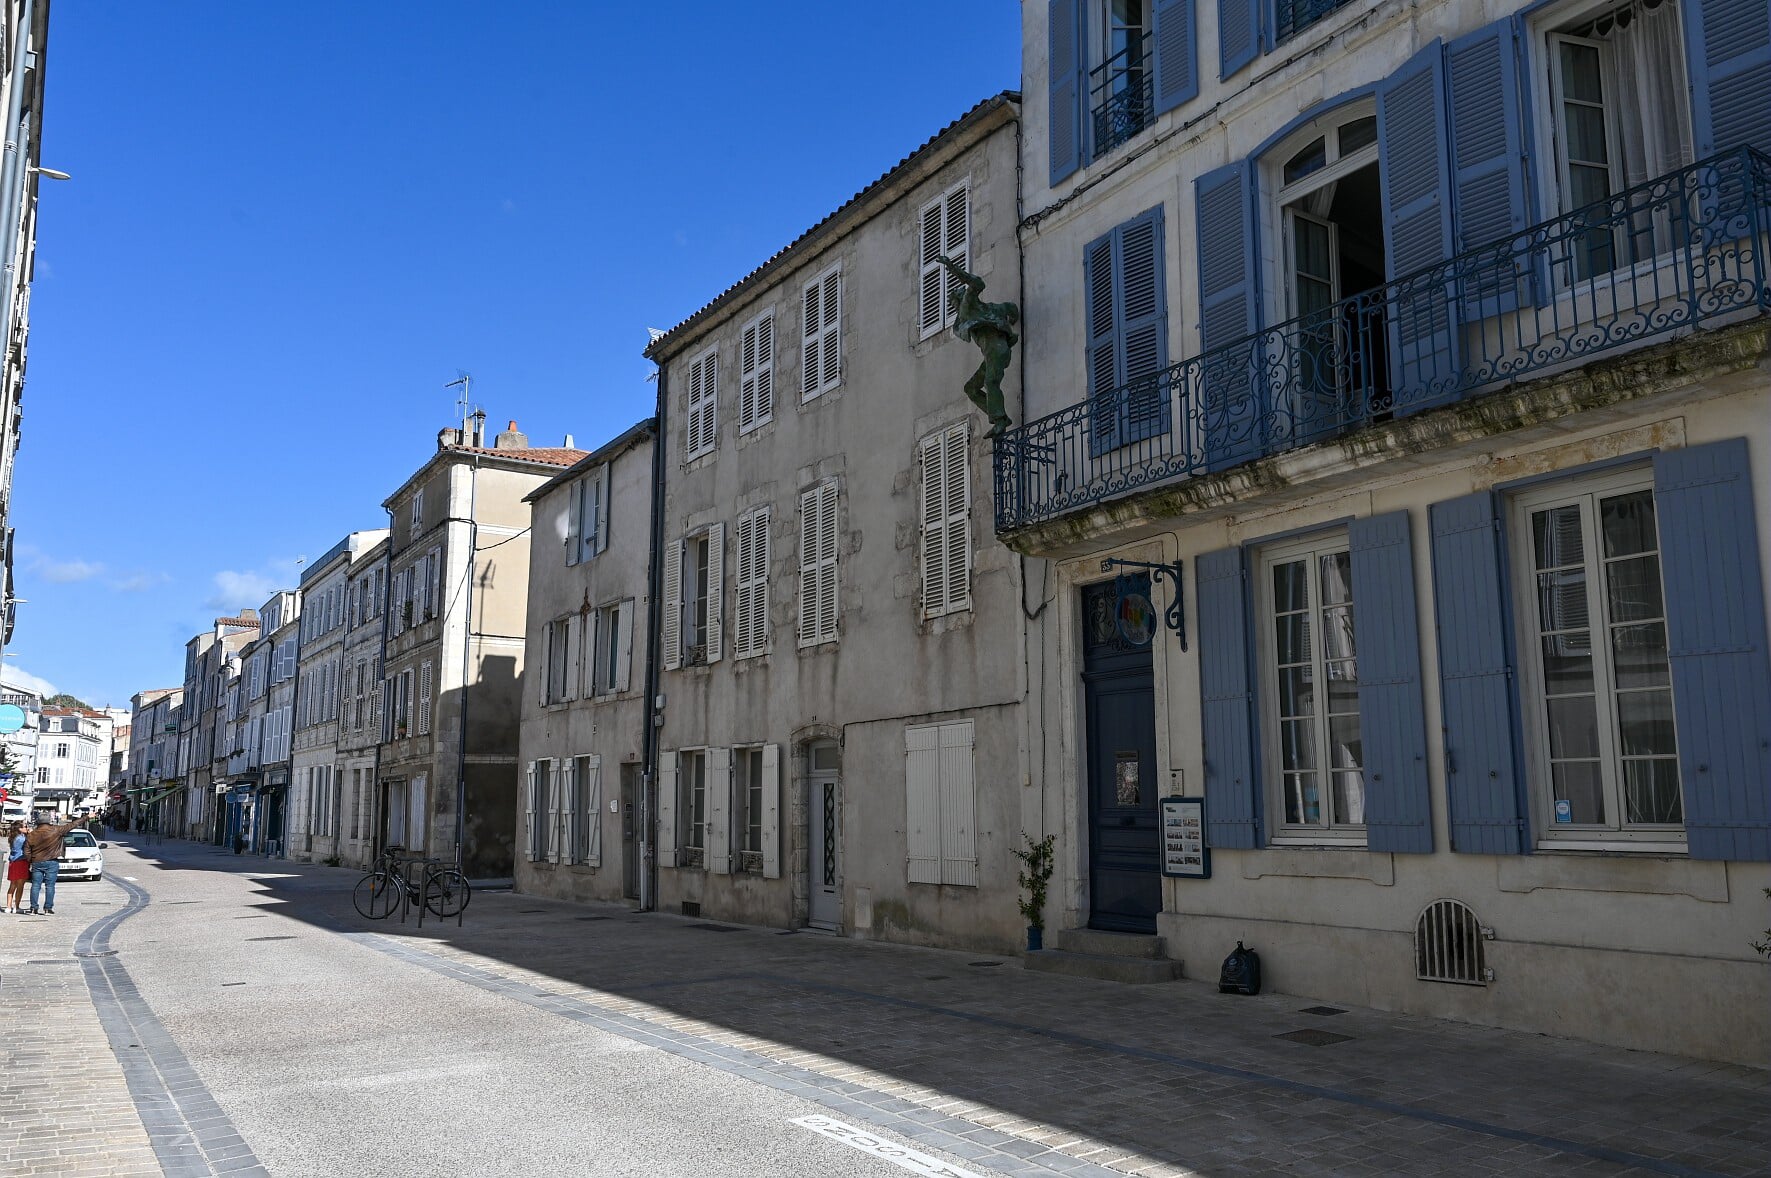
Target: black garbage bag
{"type": "Point", "coordinates": [1241, 973]}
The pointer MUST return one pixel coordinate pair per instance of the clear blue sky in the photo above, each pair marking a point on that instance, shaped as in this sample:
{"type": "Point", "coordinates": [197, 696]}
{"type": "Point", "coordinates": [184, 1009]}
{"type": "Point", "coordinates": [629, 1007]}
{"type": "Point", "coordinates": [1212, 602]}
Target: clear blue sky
{"type": "Point", "coordinates": [291, 224]}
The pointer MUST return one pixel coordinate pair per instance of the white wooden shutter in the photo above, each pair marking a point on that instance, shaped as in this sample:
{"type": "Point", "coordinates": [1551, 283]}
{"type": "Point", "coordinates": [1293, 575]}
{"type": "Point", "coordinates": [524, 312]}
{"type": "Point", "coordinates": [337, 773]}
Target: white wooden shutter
{"type": "Point", "coordinates": [716, 591]}
{"type": "Point", "coordinates": [934, 527]}
{"type": "Point", "coordinates": [946, 501]}
{"type": "Point", "coordinates": [771, 815]}
{"type": "Point", "coordinates": [756, 373]}
{"type": "Point", "coordinates": [623, 644]}
{"type": "Point", "coordinates": [530, 830]}
{"type": "Point", "coordinates": [821, 328]}
{"type": "Point", "coordinates": [922, 803]}
{"type": "Point", "coordinates": [827, 571]}
{"type": "Point", "coordinates": [425, 684]}
{"type": "Point", "coordinates": [555, 810]}
{"type": "Point", "coordinates": [703, 404]}
{"type": "Point", "coordinates": [959, 853]}
{"type": "Point", "coordinates": [672, 621]}
{"type": "Point", "coordinates": [574, 522]}
{"type": "Point", "coordinates": [593, 812]}
{"type": "Point", "coordinates": [436, 582]}
{"type": "Point", "coordinates": [956, 463]}
{"type": "Point", "coordinates": [817, 565]}
{"type": "Point", "coordinates": [753, 584]}
{"type": "Point", "coordinates": [944, 226]}
{"type": "Point", "coordinates": [605, 488]}
{"type": "Point", "coordinates": [811, 377]}
{"type": "Point", "coordinates": [719, 811]}
{"type": "Point", "coordinates": [667, 775]}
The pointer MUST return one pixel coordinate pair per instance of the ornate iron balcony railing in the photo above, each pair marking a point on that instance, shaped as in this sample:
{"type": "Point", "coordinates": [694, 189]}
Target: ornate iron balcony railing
{"type": "Point", "coordinates": [1294, 16]}
{"type": "Point", "coordinates": [1122, 97]}
{"type": "Point", "coordinates": [1687, 249]}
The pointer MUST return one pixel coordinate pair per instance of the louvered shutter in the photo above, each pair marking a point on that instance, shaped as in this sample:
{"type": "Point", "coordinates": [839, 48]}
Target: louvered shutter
{"type": "Point", "coordinates": [932, 288]}
{"type": "Point", "coordinates": [436, 581]}
{"type": "Point", "coordinates": [1065, 86]}
{"type": "Point", "coordinates": [1143, 332]}
{"type": "Point", "coordinates": [557, 806]}
{"type": "Point", "coordinates": [605, 485]}
{"type": "Point", "coordinates": [1176, 53]}
{"type": "Point", "coordinates": [1239, 34]}
{"type": "Point", "coordinates": [753, 565]}
{"type": "Point", "coordinates": [716, 592]}
{"type": "Point", "coordinates": [827, 556]}
{"type": "Point", "coordinates": [591, 812]}
{"type": "Point", "coordinates": [531, 832]}
{"type": "Point", "coordinates": [672, 622]}
{"type": "Point", "coordinates": [756, 376]}
{"type": "Point", "coordinates": [1232, 796]}
{"type": "Point", "coordinates": [1485, 811]}
{"type": "Point", "coordinates": [1101, 284]}
{"type": "Point", "coordinates": [719, 811]}
{"type": "Point", "coordinates": [624, 644]}
{"type": "Point", "coordinates": [817, 565]}
{"type": "Point", "coordinates": [922, 803]}
{"type": "Point", "coordinates": [771, 815]}
{"type": "Point", "coordinates": [1728, 50]}
{"type": "Point", "coordinates": [811, 333]}
{"type": "Point", "coordinates": [1716, 644]}
{"type": "Point", "coordinates": [575, 522]}
{"type": "Point", "coordinates": [946, 548]}
{"type": "Point", "coordinates": [830, 330]}
{"type": "Point", "coordinates": [956, 474]}
{"type": "Point", "coordinates": [934, 527]}
{"type": "Point", "coordinates": [667, 782]}
{"type": "Point", "coordinates": [1415, 180]}
{"type": "Point", "coordinates": [703, 422]}
{"type": "Point", "coordinates": [1230, 388]}
{"type": "Point", "coordinates": [959, 852]}
{"type": "Point", "coordinates": [1392, 722]}
{"type": "Point", "coordinates": [956, 239]}
{"type": "Point", "coordinates": [425, 685]}
{"type": "Point", "coordinates": [587, 672]}
{"type": "Point", "coordinates": [1487, 163]}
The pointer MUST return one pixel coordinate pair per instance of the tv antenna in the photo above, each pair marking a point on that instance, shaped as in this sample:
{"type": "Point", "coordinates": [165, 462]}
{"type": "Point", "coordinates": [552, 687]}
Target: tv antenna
{"type": "Point", "coordinates": [464, 406]}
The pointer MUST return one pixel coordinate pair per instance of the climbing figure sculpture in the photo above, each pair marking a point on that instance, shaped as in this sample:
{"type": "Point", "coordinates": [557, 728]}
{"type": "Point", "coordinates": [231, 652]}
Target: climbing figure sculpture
{"type": "Point", "coordinates": [991, 326]}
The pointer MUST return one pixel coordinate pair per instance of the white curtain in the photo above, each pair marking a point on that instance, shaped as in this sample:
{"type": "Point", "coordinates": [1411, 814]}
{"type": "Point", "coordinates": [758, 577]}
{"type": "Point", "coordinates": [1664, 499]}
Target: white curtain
{"type": "Point", "coordinates": [1652, 103]}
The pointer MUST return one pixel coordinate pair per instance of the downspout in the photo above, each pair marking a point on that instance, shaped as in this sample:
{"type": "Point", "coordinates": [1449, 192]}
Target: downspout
{"type": "Point", "coordinates": [473, 547]}
{"type": "Point", "coordinates": [11, 213]}
{"type": "Point", "coordinates": [387, 596]}
{"type": "Point", "coordinates": [654, 642]}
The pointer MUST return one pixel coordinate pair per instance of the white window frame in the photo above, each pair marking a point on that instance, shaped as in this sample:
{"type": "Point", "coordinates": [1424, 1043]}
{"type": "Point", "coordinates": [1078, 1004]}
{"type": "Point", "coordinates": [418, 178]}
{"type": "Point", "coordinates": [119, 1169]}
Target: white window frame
{"type": "Point", "coordinates": [691, 838]}
{"type": "Point", "coordinates": [756, 372]}
{"type": "Point", "coordinates": [820, 573]}
{"type": "Point", "coordinates": [943, 462]}
{"type": "Point", "coordinates": [1661, 838]}
{"type": "Point", "coordinates": [557, 669]}
{"type": "Point", "coordinates": [701, 421]}
{"type": "Point", "coordinates": [1282, 300]}
{"type": "Point", "coordinates": [933, 280]}
{"type": "Point", "coordinates": [417, 519]}
{"type": "Point", "coordinates": [820, 306]}
{"type": "Point", "coordinates": [750, 623]}
{"type": "Point", "coordinates": [750, 786]}
{"type": "Point", "coordinates": [1311, 550]}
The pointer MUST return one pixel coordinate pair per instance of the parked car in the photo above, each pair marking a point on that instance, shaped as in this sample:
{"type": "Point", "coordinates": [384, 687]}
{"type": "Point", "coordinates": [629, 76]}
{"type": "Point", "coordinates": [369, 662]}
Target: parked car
{"type": "Point", "coordinates": [82, 857]}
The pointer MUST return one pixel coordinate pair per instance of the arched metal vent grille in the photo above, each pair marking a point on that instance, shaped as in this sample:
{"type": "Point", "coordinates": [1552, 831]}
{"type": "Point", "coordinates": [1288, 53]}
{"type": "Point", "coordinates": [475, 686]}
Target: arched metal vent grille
{"type": "Point", "coordinates": [1448, 945]}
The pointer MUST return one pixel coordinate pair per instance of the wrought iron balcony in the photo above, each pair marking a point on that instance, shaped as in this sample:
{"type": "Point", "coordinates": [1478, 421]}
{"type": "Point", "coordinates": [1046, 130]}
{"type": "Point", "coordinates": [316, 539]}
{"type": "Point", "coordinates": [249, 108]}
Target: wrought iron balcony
{"type": "Point", "coordinates": [1122, 97]}
{"type": "Point", "coordinates": [1294, 16]}
{"type": "Point", "coordinates": [1685, 250]}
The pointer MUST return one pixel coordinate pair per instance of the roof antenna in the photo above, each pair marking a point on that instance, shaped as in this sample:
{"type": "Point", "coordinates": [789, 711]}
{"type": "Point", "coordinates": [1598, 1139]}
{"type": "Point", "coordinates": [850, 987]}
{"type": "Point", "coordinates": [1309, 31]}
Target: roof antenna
{"type": "Point", "coordinates": [472, 418]}
{"type": "Point", "coordinates": [657, 333]}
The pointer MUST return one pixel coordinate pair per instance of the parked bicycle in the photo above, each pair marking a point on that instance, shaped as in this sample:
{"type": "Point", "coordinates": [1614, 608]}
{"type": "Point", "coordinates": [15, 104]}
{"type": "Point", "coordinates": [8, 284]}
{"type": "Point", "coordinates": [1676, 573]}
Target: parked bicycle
{"type": "Point", "coordinates": [395, 880]}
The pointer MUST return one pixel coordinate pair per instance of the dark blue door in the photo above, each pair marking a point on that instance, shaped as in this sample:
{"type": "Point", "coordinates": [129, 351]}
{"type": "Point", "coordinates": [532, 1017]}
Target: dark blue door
{"type": "Point", "coordinates": [1125, 886]}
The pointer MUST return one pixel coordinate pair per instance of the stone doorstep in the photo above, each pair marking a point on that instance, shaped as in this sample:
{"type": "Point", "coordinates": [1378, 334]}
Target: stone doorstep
{"type": "Point", "coordinates": [1104, 967]}
{"type": "Point", "coordinates": [1102, 943]}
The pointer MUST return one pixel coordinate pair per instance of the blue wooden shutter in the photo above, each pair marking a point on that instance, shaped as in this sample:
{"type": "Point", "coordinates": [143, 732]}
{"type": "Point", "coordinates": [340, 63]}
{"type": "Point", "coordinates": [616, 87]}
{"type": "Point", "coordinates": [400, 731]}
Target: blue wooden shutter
{"type": "Point", "coordinates": [1728, 48]}
{"type": "Point", "coordinates": [1232, 802]}
{"type": "Point", "coordinates": [1415, 177]}
{"type": "Point", "coordinates": [1228, 313]}
{"type": "Point", "coordinates": [1177, 53]}
{"type": "Point", "coordinates": [1239, 34]}
{"type": "Point", "coordinates": [1103, 343]}
{"type": "Point", "coordinates": [1486, 814]}
{"type": "Point", "coordinates": [1143, 328]}
{"type": "Point", "coordinates": [1392, 723]}
{"type": "Point", "coordinates": [1487, 163]}
{"type": "Point", "coordinates": [1064, 86]}
{"type": "Point", "coordinates": [1715, 605]}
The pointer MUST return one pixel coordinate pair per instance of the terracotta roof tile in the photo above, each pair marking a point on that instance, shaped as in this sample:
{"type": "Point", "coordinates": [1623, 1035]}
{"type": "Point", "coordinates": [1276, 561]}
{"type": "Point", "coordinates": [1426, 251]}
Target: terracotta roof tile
{"type": "Point", "coordinates": [549, 455]}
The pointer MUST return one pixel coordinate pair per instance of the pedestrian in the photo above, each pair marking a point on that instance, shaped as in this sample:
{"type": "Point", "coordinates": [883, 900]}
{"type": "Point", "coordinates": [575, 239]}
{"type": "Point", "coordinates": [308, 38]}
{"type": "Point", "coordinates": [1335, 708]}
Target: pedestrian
{"type": "Point", "coordinates": [43, 847]}
{"type": "Point", "coordinates": [18, 868]}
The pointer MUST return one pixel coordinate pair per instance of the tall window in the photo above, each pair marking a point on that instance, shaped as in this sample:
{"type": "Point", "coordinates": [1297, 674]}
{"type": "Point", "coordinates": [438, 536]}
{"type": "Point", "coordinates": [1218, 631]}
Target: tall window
{"type": "Point", "coordinates": [943, 229]}
{"type": "Point", "coordinates": [1310, 688]}
{"type": "Point", "coordinates": [697, 598]}
{"type": "Point", "coordinates": [752, 621]}
{"type": "Point", "coordinates": [747, 789]}
{"type": "Point", "coordinates": [559, 661]}
{"type": "Point", "coordinates": [1120, 98]}
{"type": "Point", "coordinates": [946, 502]}
{"type": "Point", "coordinates": [1600, 704]}
{"type": "Point", "coordinates": [417, 511]}
{"type": "Point", "coordinates": [756, 373]}
{"type": "Point", "coordinates": [703, 416]}
{"type": "Point", "coordinates": [817, 565]}
{"type": "Point", "coordinates": [692, 807]}
{"type": "Point", "coordinates": [821, 334]}
{"type": "Point", "coordinates": [589, 509]}
{"type": "Point", "coordinates": [541, 810]}
{"type": "Point", "coordinates": [1291, 17]}
{"type": "Point", "coordinates": [608, 668]}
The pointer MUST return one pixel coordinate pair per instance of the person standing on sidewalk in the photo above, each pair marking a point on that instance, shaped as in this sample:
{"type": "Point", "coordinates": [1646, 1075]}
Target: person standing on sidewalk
{"type": "Point", "coordinates": [18, 868]}
{"type": "Point", "coordinates": [43, 847]}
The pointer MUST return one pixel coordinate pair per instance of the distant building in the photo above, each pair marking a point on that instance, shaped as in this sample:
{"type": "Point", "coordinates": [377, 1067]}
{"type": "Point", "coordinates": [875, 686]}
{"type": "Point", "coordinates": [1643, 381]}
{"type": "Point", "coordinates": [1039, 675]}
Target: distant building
{"type": "Point", "coordinates": [359, 718]}
{"type": "Point", "coordinates": [73, 759]}
{"type": "Point", "coordinates": [152, 776]}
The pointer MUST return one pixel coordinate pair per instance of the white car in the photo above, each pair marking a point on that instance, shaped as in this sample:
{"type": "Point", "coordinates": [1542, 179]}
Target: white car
{"type": "Point", "coordinates": [82, 857]}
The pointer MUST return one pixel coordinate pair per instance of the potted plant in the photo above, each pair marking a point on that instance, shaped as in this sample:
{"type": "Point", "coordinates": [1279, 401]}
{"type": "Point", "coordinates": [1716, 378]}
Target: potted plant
{"type": "Point", "coordinates": [1036, 874]}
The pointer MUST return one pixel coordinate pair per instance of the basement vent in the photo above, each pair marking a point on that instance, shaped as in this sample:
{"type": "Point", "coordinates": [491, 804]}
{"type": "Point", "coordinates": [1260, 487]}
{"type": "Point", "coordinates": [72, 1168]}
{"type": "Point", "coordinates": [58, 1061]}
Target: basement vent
{"type": "Point", "coordinates": [1448, 945]}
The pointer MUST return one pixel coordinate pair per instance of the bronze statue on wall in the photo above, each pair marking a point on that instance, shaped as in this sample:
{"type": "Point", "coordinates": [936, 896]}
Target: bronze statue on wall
{"type": "Point", "coordinates": [991, 326]}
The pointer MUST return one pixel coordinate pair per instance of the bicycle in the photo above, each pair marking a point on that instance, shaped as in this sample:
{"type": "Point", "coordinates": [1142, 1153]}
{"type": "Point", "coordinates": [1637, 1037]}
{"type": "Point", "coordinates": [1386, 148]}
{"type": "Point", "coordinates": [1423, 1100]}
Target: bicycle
{"type": "Point", "coordinates": [388, 885]}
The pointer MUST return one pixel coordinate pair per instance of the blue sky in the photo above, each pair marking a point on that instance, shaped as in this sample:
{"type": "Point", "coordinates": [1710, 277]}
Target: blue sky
{"type": "Point", "coordinates": [291, 224]}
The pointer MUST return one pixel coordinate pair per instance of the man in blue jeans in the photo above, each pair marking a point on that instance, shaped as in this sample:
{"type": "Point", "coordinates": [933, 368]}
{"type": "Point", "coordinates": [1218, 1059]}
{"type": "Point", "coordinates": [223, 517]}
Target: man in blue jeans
{"type": "Point", "coordinates": [43, 849]}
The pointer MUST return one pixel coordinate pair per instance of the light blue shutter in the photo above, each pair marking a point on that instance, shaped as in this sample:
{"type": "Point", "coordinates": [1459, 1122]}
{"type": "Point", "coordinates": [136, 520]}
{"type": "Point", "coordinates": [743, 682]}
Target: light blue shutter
{"type": "Point", "coordinates": [1103, 343]}
{"type": "Point", "coordinates": [1392, 723]}
{"type": "Point", "coordinates": [1064, 78]}
{"type": "Point", "coordinates": [1715, 604]}
{"type": "Point", "coordinates": [1143, 328]}
{"type": "Point", "coordinates": [1177, 53]}
{"type": "Point", "coordinates": [1228, 290]}
{"type": "Point", "coordinates": [1476, 678]}
{"type": "Point", "coordinates": [1728, 46]}
{"type": "Point", "coordinates": [1414, 172]}
{"type": "Point", "coordinates": [1487, 163]}
{"type": "Point", "coordinates": [1232, 806]}
{"type": "Point", "coordinates": [1239, 34]}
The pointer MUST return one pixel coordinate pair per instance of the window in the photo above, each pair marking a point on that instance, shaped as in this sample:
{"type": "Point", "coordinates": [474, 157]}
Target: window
{"type": "Point", "coordinates": [586, 838]}
{"type": "Point", "coordinates": [940, 806]}
{"type": "Point", "coordinates": [1120, 98]}
{"type": "Point", "coordinates": [756, 373]}
{"type": "Point", "coordinates": [43, 775]}
{"type": "Point", "coordinates": [1310, 689]}
{"type": "Point", "coordinates": [558, 637]}
{"type": "Point", "coordinates": [698, 602]}
{"type": "Point", "coordinates": [753, 584]}
{"type": "Point", "coordinates": [424, 695]}
{"type": "Point", "coordinates": [748, 787]}
{"type": "Point", "coordinates": [588, 506]}
{"type": "Point", "coordinates": [1291, 17]}
{"type": "Point", "coordinates": [703, 419]}
{"type": "Point", "coordinates": [433, 597]}
{"type": "Point", "coordinates": [1599, 700]}
{"type": "Point", "coordinates": [541, 810]}
{"type": "Point", "coordinates": [692, 807]}
{"type": "Point", "coordinates": [61, 748]}
{"type": "Point", "coordinates": [612, 652]}
{"type": "Point", "coordinates": [417, 511]}
{"type": "Point", "coordinates": [943, 230]}
{"type": "Point", "coordinates": [946, 501]}
{"type": "Point", "coordinates": [817, 565]}
{"type": "Point", "coordinates": [821, 334]}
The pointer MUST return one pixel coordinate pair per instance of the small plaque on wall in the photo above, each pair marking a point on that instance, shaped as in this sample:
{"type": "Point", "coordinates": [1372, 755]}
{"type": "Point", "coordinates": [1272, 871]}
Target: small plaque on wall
{"type": "Point", "coordinates": [1184, 852]}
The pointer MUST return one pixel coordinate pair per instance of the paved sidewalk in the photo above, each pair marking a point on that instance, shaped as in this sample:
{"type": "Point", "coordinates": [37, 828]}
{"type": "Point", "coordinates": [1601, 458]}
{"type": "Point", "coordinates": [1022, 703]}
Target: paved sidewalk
{"type": "Point", "coordinates": [1164, 1080]}
{"type": "Point", "coordinates": [60, 1070]}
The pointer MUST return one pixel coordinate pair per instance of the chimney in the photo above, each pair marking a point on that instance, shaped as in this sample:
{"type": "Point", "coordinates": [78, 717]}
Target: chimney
{"type": "Point", "coordinates": [447, 437]}
{"type": "Point", "coordinates": [511, 439]}
{"type": "Point", "coordinates": [568, 443]}
{"type": "Point", "coordinates": [479, 428]}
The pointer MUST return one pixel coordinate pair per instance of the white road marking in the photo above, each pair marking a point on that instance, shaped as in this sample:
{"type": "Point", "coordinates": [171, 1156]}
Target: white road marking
{"type": "Point", "coordinates": [131, 879]}
{"type": "Point", "coordinates": [898, 1155]}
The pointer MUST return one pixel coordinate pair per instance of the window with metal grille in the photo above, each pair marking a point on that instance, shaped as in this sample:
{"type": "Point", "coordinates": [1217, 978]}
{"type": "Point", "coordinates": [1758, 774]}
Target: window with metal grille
{"type": "Point", "coordinates": [1448, 945]}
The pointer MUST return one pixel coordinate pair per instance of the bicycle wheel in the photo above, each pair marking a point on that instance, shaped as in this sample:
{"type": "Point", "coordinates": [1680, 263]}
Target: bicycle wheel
{"type": "Point", "coordinates": [446, 892]}
{"type": "Point", "coordinates": [377, 895]}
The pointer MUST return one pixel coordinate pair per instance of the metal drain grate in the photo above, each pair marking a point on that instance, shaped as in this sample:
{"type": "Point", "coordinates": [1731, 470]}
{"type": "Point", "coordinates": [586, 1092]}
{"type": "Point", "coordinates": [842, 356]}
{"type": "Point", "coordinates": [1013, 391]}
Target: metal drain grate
{"type": "Point", "coordinates": [717, 928]}
{"type": "Point", "coordinates": [1322, 1010]}
{"type": "Point", "coordinates": [98, 953]}
{"type": "Point", "coordinates": [273, 938]}
{"type": "Point", "coordinates": [1448, 945]}
{"type": "Point", "coordinates": [984, 964]}
{"type": "Point", "coordinates": [52, 961]}
{"type": "Point", "coordinates": [594, 918]}
{"type": "Point", "coordinates": [1311, 1037]}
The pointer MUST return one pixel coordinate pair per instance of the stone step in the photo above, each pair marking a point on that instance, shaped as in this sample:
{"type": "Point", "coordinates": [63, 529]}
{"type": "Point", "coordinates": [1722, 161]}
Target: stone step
{"type": "Point", "coordinates": [1106, 968]}
{"type": "Point", "coordinates": [1106, 944]}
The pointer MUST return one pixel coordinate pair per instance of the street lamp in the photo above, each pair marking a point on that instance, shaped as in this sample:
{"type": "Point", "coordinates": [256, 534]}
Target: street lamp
{"type": "Point", "coordinates": [52, 173]}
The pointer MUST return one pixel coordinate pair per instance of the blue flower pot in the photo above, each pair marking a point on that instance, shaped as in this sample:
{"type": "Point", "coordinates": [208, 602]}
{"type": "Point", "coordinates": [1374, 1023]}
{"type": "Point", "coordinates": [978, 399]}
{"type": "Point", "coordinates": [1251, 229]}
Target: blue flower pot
{"type": "Point", "coordinates": [1035, 938]}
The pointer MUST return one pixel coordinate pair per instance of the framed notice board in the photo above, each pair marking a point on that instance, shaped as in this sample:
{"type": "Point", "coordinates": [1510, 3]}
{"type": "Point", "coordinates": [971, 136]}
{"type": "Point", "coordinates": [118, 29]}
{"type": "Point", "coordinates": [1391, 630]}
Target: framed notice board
{"type": "Point", "coordinates": [1184, 853]}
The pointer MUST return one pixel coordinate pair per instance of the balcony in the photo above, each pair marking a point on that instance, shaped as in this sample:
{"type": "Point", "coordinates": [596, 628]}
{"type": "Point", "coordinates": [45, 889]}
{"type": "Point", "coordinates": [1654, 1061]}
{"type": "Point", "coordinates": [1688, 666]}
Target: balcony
{"type": "Point", "coordinates": [1121, 99]}
{"type": "Point", "coordinates": [1685, 251]}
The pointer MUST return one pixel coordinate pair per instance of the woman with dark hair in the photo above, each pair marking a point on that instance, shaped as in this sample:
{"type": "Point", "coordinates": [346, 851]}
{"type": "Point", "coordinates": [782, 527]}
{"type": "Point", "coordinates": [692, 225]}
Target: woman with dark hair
{"type": "Point", "coordinates": [18, 869]}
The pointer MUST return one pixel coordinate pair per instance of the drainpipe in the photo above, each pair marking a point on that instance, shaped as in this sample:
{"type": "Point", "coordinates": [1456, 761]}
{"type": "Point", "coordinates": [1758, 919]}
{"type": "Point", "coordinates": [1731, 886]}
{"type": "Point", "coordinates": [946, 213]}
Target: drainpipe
{"type": "Point", "coordinates": [11, 182]}
{"type": "Point", "coordinates": [473, 547]}
{"type": "Point", "coordinates": [387, 596]}
{"type": "Point", "coordinates": [654, 643]}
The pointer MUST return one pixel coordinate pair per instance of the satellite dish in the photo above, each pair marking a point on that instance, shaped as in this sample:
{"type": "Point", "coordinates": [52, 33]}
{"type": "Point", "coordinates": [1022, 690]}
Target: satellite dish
{"type": "Point", "coordinates": [12, 717]}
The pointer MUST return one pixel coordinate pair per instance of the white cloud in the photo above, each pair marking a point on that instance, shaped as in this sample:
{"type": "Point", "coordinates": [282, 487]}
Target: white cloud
{"type": "Point", "coordinates": [140, 582]}
{"type": "Point", "coordinates": [65, 572]}
{"type": "Point", "coordinates": [19, 677]}
{"type": "Point", "coordinates": [237, 590]}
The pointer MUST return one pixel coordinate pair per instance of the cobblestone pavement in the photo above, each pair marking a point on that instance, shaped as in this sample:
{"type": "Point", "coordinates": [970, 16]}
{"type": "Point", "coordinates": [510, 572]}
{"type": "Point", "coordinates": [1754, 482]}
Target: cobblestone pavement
{"type": "Point", "coordinates": [967, 1055]}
